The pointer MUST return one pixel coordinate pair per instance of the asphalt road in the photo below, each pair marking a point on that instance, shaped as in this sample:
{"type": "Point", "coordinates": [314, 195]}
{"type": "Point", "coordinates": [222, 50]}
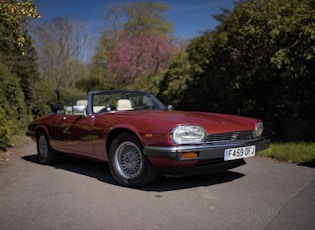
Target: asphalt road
{"type": "Point", "coordinates": [76, 194]}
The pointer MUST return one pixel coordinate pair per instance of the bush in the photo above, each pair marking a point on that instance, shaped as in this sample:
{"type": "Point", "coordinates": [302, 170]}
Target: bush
{"type": "Point", "coordinates": [12, 109]}
{"type": "Point", "coordinates": [44, 95]}
{"type": "Point", "coordinates": [5, 130]}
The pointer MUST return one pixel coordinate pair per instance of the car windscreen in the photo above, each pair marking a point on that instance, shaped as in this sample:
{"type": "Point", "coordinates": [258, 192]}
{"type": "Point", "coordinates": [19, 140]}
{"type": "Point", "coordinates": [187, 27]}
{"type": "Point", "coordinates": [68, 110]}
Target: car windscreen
{"type": "Point", "coordinates": [105, 102]}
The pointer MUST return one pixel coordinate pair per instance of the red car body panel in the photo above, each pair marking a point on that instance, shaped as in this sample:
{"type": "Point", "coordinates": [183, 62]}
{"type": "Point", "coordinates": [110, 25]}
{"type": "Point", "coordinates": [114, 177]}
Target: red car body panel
{"type": "Point", "coordinates": [90, 135]}
{"type": "Point", "coordinates": [87, 135]}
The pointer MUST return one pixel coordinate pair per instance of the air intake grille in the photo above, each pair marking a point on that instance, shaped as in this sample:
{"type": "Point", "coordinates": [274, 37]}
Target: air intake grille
{"type": "Point", "coordinates": [230, 136]}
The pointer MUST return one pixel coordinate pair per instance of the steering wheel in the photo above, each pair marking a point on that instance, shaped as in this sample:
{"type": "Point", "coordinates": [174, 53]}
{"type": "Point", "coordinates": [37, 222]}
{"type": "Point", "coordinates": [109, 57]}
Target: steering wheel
{"type": "Point", "coordinates": [108, 108]}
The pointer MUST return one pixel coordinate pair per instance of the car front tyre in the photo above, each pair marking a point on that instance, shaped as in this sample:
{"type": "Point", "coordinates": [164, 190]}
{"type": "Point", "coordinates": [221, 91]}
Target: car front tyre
{"type": "Point", "coordinates": [127, 163]}
{"type": "Point", "coordinates": [45, 153]}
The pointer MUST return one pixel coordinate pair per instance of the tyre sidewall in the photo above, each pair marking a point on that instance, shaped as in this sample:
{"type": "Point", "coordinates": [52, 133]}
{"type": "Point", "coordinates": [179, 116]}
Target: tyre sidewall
{"type": "Point", "coordinates": [51, 157]}
{"type": "Point", "coordinates": [142, 178]}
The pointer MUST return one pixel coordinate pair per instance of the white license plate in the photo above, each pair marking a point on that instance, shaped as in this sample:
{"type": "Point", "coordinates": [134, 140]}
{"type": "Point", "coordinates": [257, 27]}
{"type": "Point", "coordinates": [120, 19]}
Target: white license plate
{"type": "Point", "coordinates": [238, 153]}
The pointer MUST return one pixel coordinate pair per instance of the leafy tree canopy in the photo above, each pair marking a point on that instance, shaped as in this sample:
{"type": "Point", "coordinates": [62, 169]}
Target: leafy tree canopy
{"type": "Point", "coordinates": [259, 62]}
{"type": "Point", "coordinates": [17, 66]}
{"type": "Point", "coordinates": [12, 107]}
{"type": "Point", "coordinates": [135, 45]}
{"type": "Point", "coordinates": [13, 15]}
{"type": "Point", "coordinates": [147, 16]}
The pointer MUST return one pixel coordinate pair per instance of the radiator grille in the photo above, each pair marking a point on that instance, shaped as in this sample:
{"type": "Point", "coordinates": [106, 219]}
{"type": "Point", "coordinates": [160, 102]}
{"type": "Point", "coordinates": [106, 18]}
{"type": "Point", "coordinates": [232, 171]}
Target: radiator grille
{"type": "Point", "coordinates": [230, 136]}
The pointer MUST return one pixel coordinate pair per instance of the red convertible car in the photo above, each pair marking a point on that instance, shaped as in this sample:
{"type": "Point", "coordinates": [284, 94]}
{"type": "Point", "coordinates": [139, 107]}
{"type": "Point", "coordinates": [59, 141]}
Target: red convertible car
{"type": "Point", "coordinates": [140, 137]}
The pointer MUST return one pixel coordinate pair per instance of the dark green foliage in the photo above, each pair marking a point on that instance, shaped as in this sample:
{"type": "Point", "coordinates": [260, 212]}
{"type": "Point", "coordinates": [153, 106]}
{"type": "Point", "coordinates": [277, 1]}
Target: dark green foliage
{"type": "Point", "coordinates": [25, 67]}
{"type": "Point", "coordinates": [259, 62]}
{"type": "Point", "coordinates": [5, 130]}
{"type": "Point", "coordinates": [12, 107]}
{"type": "Point", "coordinates": [95, 82]}
{"type": "Point", "coordinates": [66, 94]}
{"type": "Point", "coordinates": [45, 95]}
{"type": "Point", "coordinates": [16, 47]}
{"type": "Point", "coordinates": [17, 67]}
{"type": "Point", "coordinates": [11, 95]}
{"type": "Point", "coordinates": [173, 86]}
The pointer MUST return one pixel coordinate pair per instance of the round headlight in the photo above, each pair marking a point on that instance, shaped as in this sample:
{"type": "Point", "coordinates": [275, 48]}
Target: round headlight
{"type": "Point", "coordinates": [259, 128]}
{"type": "Point", "coordinates": [187, 134]}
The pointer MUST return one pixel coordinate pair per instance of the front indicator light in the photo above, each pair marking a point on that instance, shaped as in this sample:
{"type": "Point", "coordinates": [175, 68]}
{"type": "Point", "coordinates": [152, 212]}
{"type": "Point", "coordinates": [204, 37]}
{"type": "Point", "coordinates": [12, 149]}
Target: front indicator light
{"type": "Point", "coordinates": [189, 155]}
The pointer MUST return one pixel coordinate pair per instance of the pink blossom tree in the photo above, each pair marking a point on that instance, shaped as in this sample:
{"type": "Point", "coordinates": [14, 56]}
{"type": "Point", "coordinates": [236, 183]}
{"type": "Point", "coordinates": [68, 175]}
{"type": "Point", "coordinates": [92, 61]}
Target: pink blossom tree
{"type": "Point", "coordinates": [137, 55]}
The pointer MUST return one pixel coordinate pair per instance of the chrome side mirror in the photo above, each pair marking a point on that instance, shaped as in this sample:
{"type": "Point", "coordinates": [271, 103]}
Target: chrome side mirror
{"type": "Point", "coordinates": [78, 109]}
{"type": "Point", "coordinates": [170, 107]}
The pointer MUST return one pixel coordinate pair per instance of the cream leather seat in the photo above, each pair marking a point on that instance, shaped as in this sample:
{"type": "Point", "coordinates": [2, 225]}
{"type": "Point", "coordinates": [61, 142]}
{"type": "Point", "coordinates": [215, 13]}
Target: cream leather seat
{"type": "Point", "coordinates": [124, 104]}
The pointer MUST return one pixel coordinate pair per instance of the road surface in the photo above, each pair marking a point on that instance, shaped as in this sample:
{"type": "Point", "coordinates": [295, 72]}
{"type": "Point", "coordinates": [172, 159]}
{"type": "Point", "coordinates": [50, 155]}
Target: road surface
{"type": "Point", "coordinates": [77, 194]}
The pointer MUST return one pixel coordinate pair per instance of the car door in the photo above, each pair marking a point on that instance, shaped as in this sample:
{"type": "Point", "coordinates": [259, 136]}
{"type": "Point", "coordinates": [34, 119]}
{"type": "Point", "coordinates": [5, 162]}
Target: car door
{"type": "Point", "coordinates": [74, 134]}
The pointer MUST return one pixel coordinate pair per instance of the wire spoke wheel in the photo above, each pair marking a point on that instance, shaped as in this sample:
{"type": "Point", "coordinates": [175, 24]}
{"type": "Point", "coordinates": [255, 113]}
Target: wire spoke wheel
{"type": "Point", "coordinates": [128, 160]}
{"type": "Point", "coordinates": [46, 155]}
{"type": "Point", "coordinates": [127, 163]}
{"type": "Point", "coordinates": [42, 147]}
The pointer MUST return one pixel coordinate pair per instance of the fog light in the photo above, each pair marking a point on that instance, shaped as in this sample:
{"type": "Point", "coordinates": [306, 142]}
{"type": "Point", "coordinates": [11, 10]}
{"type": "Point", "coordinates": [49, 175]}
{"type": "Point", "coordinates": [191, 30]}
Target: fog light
{"type": "Point", "coordinates": [189, 155]}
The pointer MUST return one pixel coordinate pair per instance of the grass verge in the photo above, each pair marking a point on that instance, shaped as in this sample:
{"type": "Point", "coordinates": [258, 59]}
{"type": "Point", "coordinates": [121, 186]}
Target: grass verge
{"type": "Point", "coordinates": [301, 152]}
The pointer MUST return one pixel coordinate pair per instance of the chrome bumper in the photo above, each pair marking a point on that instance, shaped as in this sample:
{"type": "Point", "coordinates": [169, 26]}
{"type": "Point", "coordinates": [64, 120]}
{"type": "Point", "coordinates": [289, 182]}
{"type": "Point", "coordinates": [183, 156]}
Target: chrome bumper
{"type": "Point", "coordinates": [205, 151]}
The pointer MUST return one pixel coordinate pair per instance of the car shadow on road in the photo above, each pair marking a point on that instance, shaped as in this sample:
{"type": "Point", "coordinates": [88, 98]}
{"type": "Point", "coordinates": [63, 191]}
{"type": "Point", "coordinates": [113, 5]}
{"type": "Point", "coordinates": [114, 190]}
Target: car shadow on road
{"type": "Point", "coordinates": [101, 172]}
{"type": "Point", "coordinates": [162, 184]}
{"type": "Point", "coordinates": [309, 164]}
{"type": "Point", "coordinates": [84, 167]}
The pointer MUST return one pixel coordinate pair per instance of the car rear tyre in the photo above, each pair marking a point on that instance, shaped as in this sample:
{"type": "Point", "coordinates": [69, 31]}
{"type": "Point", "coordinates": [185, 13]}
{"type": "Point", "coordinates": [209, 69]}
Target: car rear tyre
{"type": "Point", "coordinates": [127, 163]}
{"type": "Point", "coordinates": [45, 153]}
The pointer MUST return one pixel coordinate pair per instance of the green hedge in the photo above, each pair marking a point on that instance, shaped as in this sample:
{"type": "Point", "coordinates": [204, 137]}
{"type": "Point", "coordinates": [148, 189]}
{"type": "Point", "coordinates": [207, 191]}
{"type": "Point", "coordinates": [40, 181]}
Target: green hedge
{"type": "Point", "coordinates": [13, 114]}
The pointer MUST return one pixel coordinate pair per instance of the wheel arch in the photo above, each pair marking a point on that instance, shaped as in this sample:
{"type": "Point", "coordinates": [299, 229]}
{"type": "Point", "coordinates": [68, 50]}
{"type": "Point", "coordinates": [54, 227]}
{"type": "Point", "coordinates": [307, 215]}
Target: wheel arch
{"type": "Point", "coordinates": [118, 130]}
{"type": "Point", "coordinates": [41, 129]}
{"type": "Point", "coordinates": [127, 162]}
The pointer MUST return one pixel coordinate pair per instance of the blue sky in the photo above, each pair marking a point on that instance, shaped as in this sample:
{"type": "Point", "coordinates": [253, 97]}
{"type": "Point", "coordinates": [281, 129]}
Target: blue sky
{"type": "Point", "coordinates": [190, 17]}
